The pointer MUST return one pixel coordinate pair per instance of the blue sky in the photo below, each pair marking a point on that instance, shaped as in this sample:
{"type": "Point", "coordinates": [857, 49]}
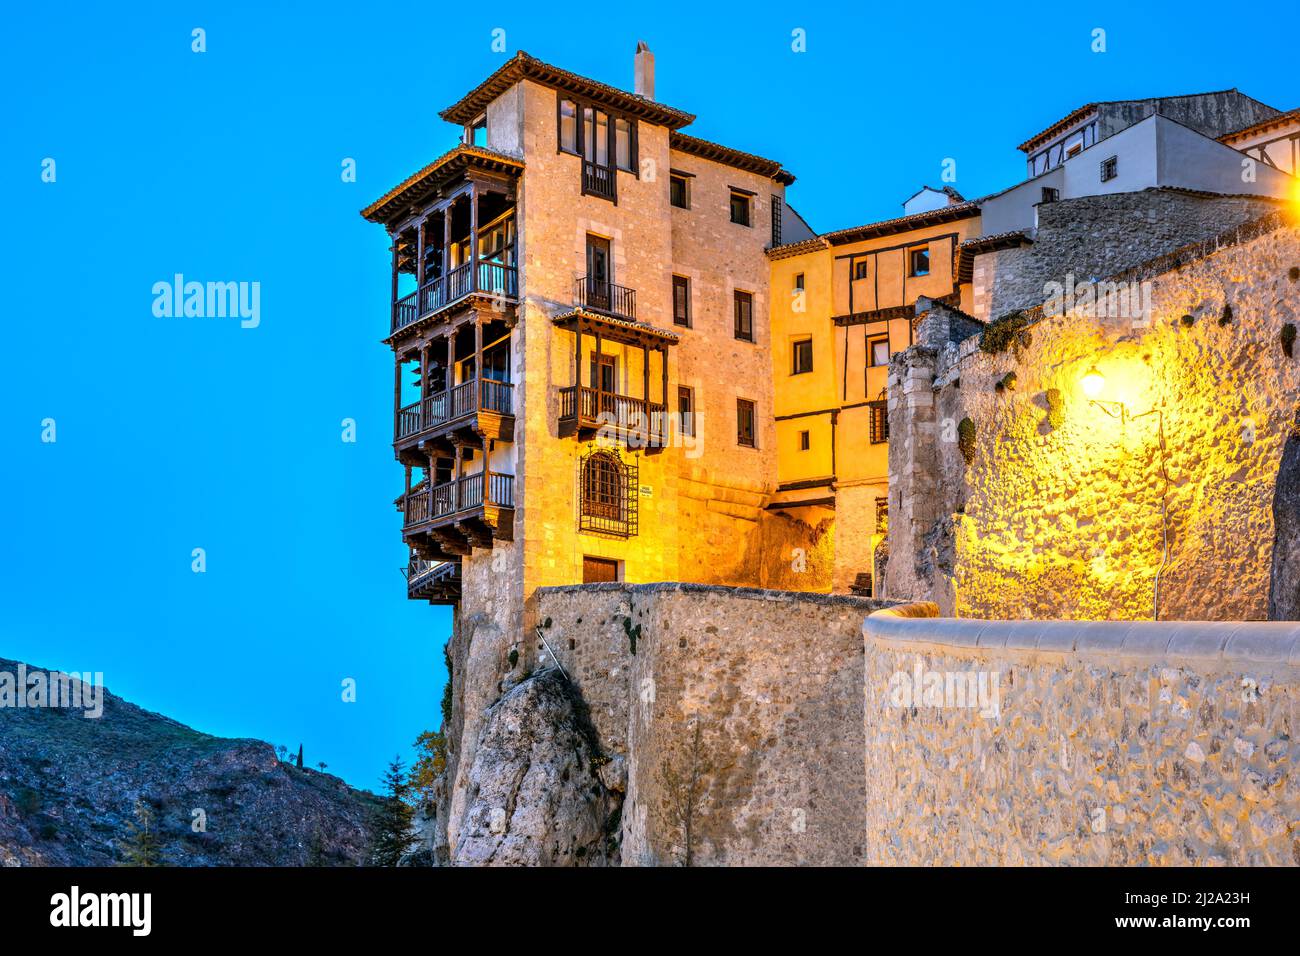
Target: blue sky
{"type": "Point", "coordinates": [174, 434]}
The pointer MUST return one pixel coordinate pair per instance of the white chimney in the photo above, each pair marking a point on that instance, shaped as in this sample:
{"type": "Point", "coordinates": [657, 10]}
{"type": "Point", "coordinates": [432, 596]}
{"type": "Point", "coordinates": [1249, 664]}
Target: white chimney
{"type": "Point", "coordinates": [644, 71]}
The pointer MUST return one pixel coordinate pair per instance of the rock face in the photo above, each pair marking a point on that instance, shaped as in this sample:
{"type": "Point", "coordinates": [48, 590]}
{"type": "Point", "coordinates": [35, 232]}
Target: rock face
{"type": "Point", "coordinates": [1284, 583]}
{"type": "Point", "coordinates": [69, 784]}
{"type": "Point", "coordinates": [537, 795]}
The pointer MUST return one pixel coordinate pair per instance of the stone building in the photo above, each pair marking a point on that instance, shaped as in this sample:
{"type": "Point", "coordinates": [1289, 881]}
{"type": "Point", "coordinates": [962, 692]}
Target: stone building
{"type": "Point", "coordinates": [621, 356]}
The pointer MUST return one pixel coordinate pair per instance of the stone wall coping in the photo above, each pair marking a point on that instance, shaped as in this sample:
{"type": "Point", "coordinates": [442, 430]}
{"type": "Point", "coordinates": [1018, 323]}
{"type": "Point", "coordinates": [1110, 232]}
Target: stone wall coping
{"type": "Point", "coordinates": [754, 594]}
{"type": "Point", "coordinates": [1253, 642]}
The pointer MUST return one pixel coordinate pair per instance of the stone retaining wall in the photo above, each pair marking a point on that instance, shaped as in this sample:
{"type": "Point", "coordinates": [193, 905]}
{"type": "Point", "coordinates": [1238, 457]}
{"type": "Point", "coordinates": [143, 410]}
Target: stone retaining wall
{"type": "Point", "coordinates": [771, 679]}
{"type": "Point", "coordinates": [1118, 743]}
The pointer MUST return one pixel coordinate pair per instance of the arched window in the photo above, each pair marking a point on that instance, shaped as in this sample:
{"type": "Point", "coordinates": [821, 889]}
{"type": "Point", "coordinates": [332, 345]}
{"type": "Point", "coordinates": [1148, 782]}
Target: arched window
{"type": "Point", "coordinates": [607, 494]}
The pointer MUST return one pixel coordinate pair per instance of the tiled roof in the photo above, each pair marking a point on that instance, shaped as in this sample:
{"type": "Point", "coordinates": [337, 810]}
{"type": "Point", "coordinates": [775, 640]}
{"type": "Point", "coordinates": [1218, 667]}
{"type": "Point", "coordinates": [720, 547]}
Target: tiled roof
{"type": "Point", "coordinates": [521, 66]}
{"type": "Point", "coordinates": [440, 170]}
{"type": "Point", "coordinates": [729, 157]}
{"type": "Point", "coordinates": [1282, 119]}
{"type": "Point", "coordinates": [931, 217]}
{"type": "Point", "coordinates": [1070, 119]}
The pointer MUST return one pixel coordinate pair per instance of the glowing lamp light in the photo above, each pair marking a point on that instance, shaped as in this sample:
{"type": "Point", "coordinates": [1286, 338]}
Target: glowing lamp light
{"type": "Point", "coordinates": [1092, 382]}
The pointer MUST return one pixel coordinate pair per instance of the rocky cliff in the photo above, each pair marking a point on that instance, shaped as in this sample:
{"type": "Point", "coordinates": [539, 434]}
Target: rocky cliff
{"type": "Point", "coordinates": [69, 785]}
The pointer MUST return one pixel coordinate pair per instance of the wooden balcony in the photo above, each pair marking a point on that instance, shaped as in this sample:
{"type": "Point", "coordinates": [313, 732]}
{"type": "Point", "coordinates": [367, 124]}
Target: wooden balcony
{"type": "Point", "coordinates": [605, 298]}
{"type": "Point", "coordinates": [481, 405]}
{"type": "Point", "coordinates": [598, 180]}
{"type": "Point", "coordinates": [437, 582]}
{"type": "Point", "coordinates": [455, 516]}
{"type": "Point", "coordinates": [585, 410]}
{"type": "Point", "coordinates": [492, 280]}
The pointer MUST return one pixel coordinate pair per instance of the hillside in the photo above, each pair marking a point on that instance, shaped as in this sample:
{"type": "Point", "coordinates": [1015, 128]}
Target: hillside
{"type": "Point", "coordinates": [68, 787]}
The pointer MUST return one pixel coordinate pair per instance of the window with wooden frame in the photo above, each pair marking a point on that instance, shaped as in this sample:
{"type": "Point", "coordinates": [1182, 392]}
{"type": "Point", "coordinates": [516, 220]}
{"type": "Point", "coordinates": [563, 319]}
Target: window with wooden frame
{"type": "Point", "coordinates": [679, 190]}
{"type": "Point", "coordinates": [682, 301]}
{"type": "Point", "coordinates": [776, 220]}
{"type": "Point", "coordinates": [743, 310]}
{"type": "Point", "coordinates": [878, 430]}
{"type": "Point", "coordinates": [859, 269]}
{"type": "Point", "coordinates": [1051, 194]}
{"type": "Point", "coordinates": [798, 281]}
{"type": "Point", "coordinates": [741, 201]}
{"type": "Point", "coordinates": [686, 409]}
{"type": "Point", "coordinates": [805, 442]}
{"type": "Point", "coordinates": [608, 494]}
{"type": "Point", "coordinates": [918, 261]}
{"type": "Point", "coordinates": [568, 122]}
{"type": "Point", "coordinates": [801, 356]}
{"type": "Point", "coordinates": [1109, 168]}
{"type": "Point", "coordinates": [745, 423]}
{"type": "Point", "coordinates": [878, 351]}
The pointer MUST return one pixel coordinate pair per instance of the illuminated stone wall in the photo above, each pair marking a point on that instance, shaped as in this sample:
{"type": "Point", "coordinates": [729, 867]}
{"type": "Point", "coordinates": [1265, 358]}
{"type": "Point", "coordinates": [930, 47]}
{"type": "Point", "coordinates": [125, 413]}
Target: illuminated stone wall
{"type": "Point", "coordinates": [1058, 513]}
{"type": "Point", "coordinates": [1119, 744]}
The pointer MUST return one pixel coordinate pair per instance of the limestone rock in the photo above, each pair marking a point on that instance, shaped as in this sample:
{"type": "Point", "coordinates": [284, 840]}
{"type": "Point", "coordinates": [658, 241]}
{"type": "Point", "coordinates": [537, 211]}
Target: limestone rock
{"type": "Point", "coordinates": [535, 793]}
{"type": "Point", "coordinates": [1284, 584]}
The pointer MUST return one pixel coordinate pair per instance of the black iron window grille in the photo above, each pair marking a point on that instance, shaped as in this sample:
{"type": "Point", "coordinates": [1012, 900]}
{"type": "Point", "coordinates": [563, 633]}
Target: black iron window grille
{"type": "Point", "coordinates": [608, 494]}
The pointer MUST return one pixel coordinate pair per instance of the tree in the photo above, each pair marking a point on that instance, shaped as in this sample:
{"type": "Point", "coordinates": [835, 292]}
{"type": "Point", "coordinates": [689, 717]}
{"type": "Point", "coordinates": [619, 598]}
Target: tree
{"type": "Point", "coordinates": [316, 850]}
{"type": "Point", "coordinates": [683, 780]}
{"type": "Point", "coordinates": [322, 766]}
{"type": "Point", "coordinates": [390, 825]}
{"type": "Point", "coordinates": [299, 757]}
{"type": "Point", "coordinates": [283, 751]}
{"type": "Point", "coordinates": [430, 764]}
{"type": "Point", "coordinates": [142, 846]}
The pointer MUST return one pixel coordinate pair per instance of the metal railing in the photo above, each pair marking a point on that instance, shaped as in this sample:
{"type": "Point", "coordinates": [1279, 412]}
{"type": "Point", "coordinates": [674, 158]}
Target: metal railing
{"type": "Point", "coordinates": [602, 296]}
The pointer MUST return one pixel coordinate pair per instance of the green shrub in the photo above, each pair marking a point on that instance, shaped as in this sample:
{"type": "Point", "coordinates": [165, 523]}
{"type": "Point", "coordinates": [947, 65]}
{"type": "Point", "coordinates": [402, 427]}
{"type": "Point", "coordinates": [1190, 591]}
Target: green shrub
{"type": "Point", "coordinates": [1188, 320]}
{"type": "Point", "coordinates": [1226, 317]}
{"type": "Point", "coordinates": [966, 440]}
{"type": "Point", "coordinates": [1000, 334]}
{"type": "Point", "coordinates": [1007, 383]}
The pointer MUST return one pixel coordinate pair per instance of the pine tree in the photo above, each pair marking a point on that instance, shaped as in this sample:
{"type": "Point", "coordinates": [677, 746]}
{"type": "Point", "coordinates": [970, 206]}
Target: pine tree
{"type": "Point", "coordinates": [300, 756]}
{"type": "Point", "coordinates": [142, 846]}
{"type": "Point", "coordinates": [390, 826]}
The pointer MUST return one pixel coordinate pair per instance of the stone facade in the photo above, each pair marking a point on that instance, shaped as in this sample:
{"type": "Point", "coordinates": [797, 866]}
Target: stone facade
{"type": "Point", "coordinates": [1097, 236]}
{"type": "Point", "coordinates": [1113, 744]}
{"type": "Point", "coordinates": [771, 679]}
{"type": "Point", "coordinates": [1059, 511]}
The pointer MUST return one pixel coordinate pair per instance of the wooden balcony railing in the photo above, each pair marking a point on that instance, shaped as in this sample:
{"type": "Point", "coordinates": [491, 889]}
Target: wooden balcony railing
{"type": "Point", "coordinates": [598, 180]}
{"type": "Point", "coordinates": [595, 408]}
{"type": "Point", "coordinates": [455, 403]}
{"type": "Point", "coordinates": [600, 296]}
{"type": "Point", "coordinates": [491, 278]}
{"type": "Point", "coordinates": [457, 496]}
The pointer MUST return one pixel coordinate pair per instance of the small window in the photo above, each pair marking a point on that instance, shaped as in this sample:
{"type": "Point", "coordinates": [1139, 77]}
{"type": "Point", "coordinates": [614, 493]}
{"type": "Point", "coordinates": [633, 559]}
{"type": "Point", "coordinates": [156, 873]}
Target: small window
{"type": "Point", "coordinates": [918, 261]}
{"type": "Point", "coordinates": [1109, 168]}
{"type": "Point", "coordinates": [801, 357]}
{"type": "Point", "coordinates": [568, 126]}
{"type": "Point", "coordinates": [679, 192]}
{"type": "Point", "coordinates": [625, 145]}
{"type": "Point", "coordinates": [476, 132]}
{"type": "Point", "coordinates": [878, 349]}
{"type": "Point", "coordinates": [739, 208]}
{"type": "Point", "coordinates": [798, 281]}
{"type": "Point", "coordinates": [879, 428]}
{"type": "Point", "coordinates": [681, 301]}
{"type": "Point", "coordinates": [1074, 150]}
{"type": "Point", "coordinates": [776, 220]}
{"type": "Point", "coordinates": [1051, 194]}
{"type": "Point", "coordinates": [804, 441]}
{"type": "Point", "coordinates": [860, 269]}
{"type": "Point", "coordinates": [686, 409]}
{"type": "Point", "coordinates": [743, 303]}
{"type": "Point", "coordinates": [744, 423]}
